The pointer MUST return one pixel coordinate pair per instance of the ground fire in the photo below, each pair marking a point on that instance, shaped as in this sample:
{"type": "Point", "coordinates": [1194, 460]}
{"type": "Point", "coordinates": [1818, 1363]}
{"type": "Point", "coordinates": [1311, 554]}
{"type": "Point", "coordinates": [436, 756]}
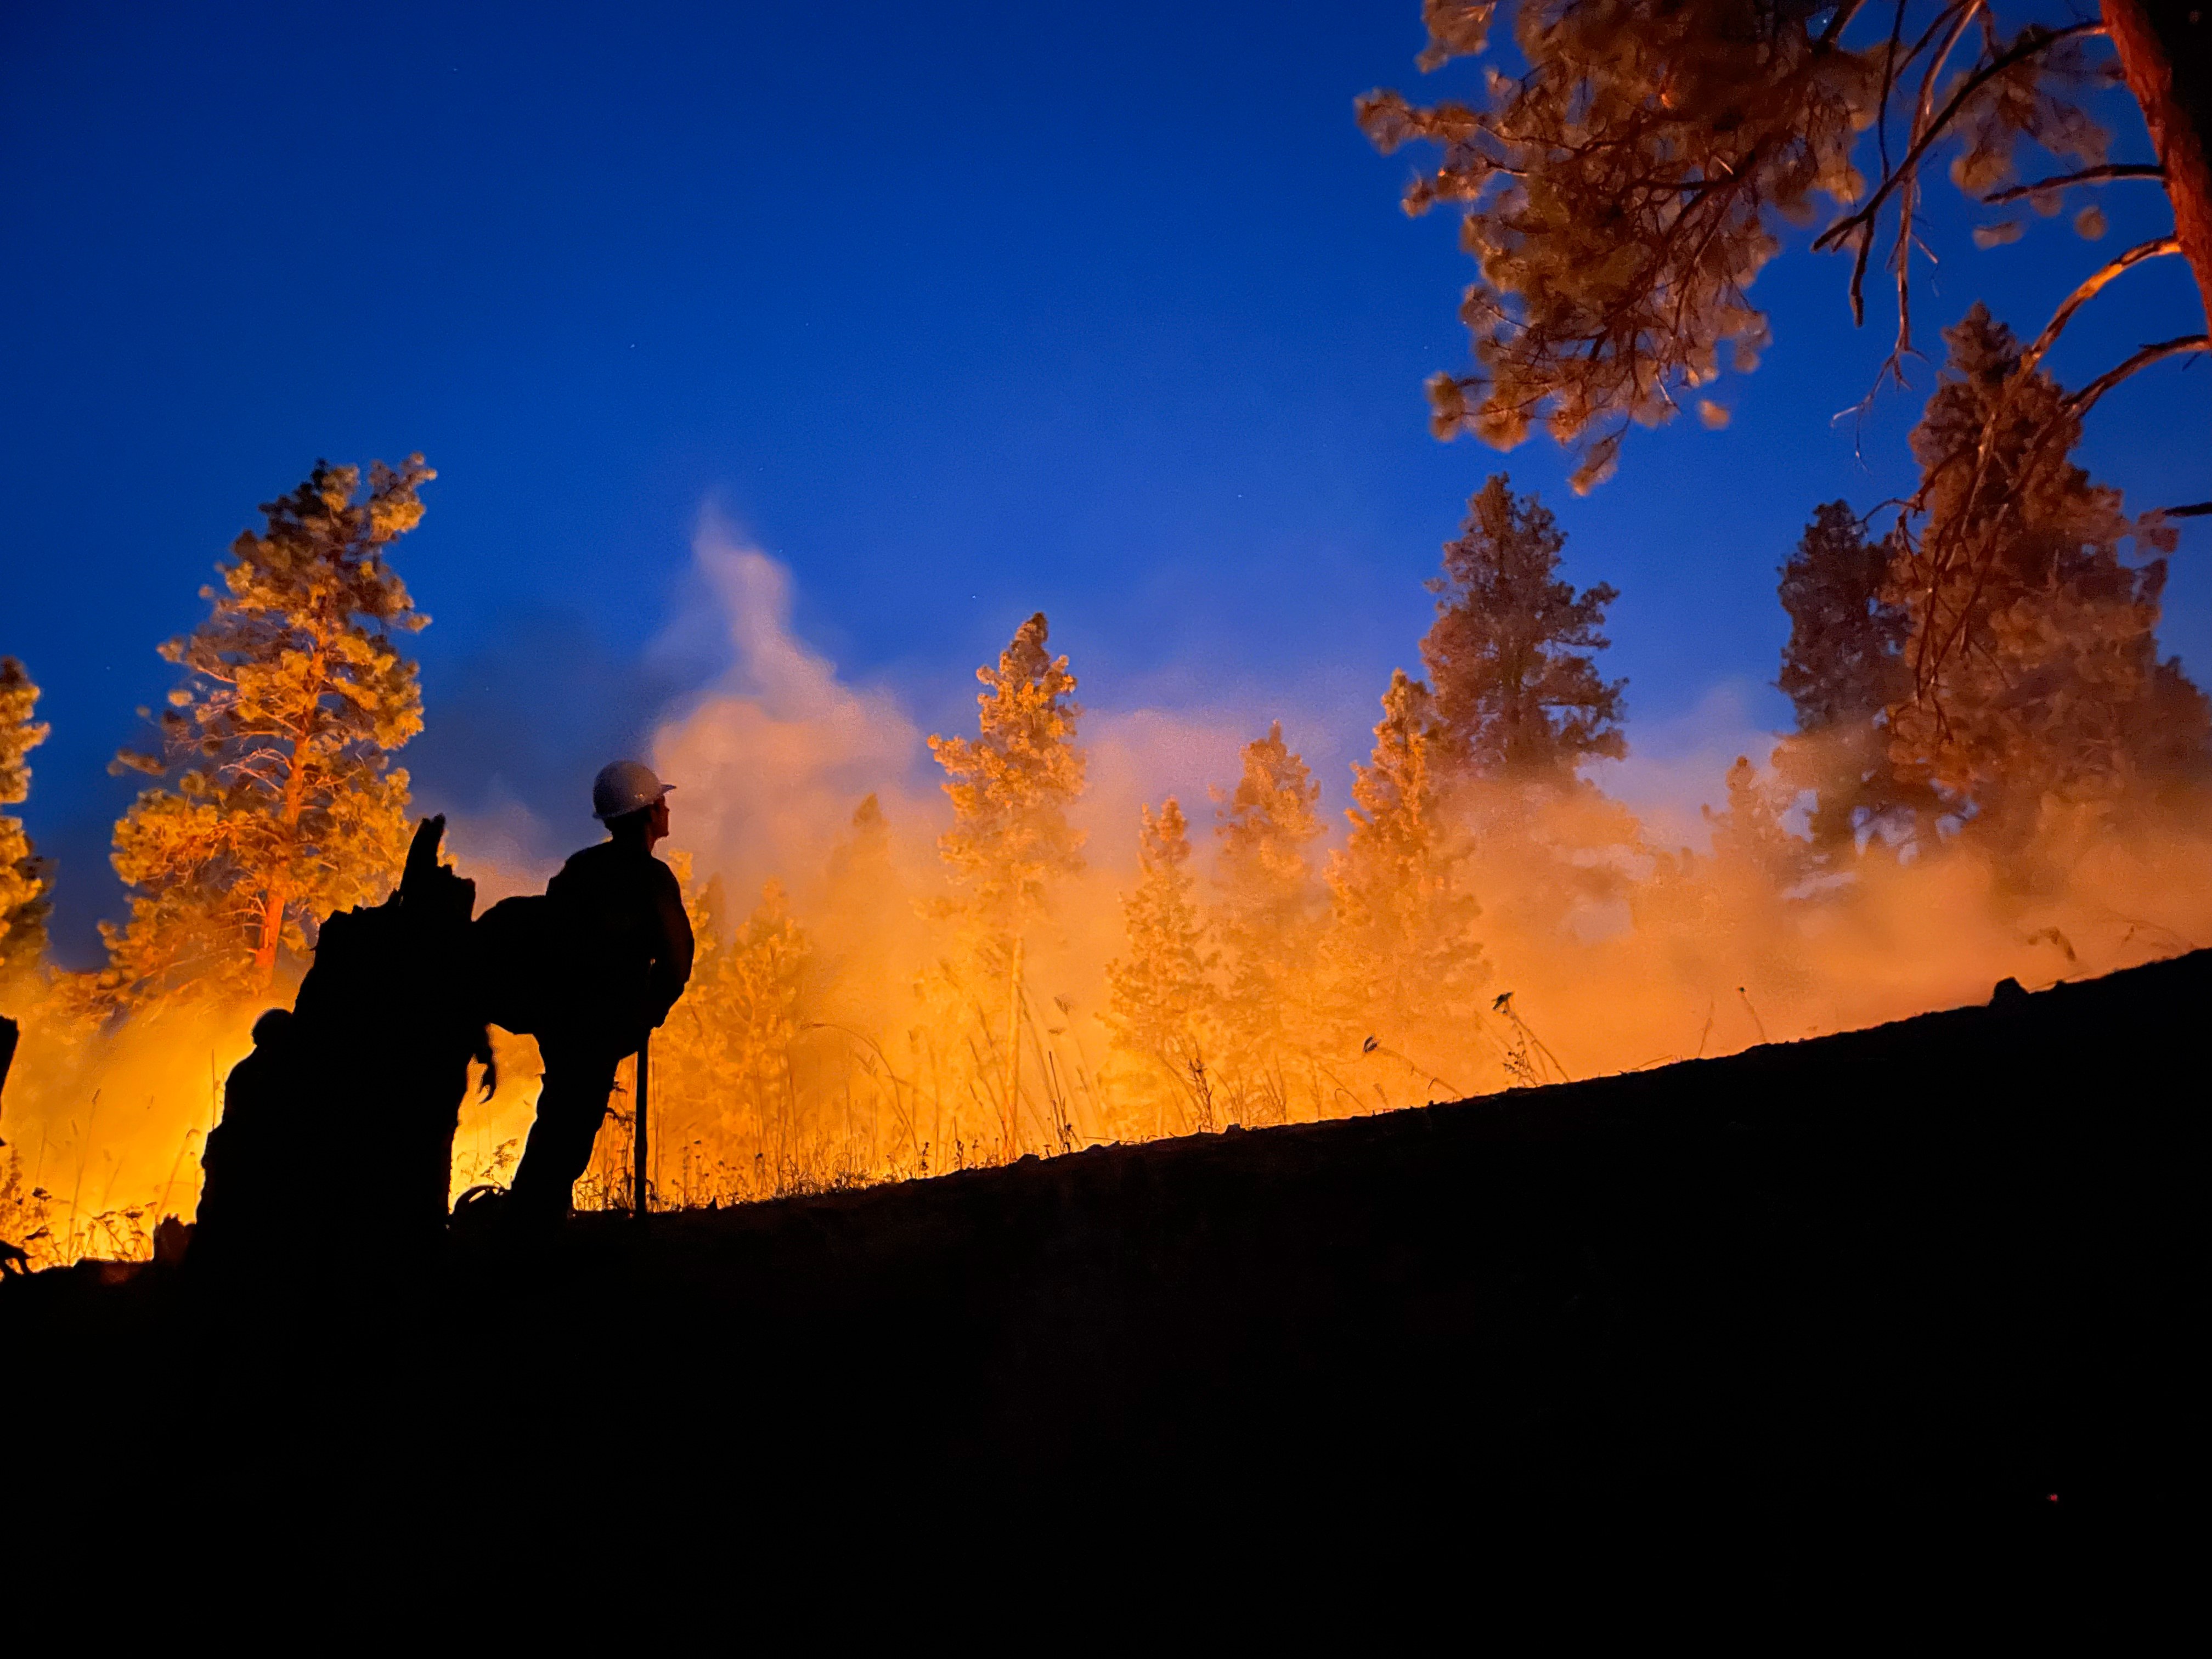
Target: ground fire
{"type": "Point", "coordinates": [890, 986]}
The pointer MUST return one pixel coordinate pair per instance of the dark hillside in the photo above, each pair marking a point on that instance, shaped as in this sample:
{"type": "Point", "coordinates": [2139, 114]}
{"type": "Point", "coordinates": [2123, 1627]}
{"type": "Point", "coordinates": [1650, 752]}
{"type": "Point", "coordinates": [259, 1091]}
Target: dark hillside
{"type": "Point", "coordinates": [1955, 1261]}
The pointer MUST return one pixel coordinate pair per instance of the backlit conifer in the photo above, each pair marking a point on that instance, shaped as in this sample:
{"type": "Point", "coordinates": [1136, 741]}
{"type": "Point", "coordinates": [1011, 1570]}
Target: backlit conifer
{"type": "Point", "coordinates": [1161, 1002]}
{"type": "Point", "coordinates": [1268, 901]}
{"type": "Point", "coordinates": [1842, 669]}
{"type": "Point", "coordinates": [1750, 841]}
{"type": "Point", "coordinates": [743, 1007]}
{"type": "Point", "coordinates": [2047, 698]}
{"type": "Point", "coordinates": [1512, 652]}
{"type": "Point", "coordinates": [866, 914]}
{"type": "Point", "coordinates": [279, 803]}
{"type": "Point", "coordinates": [1401, 961]}
{"type": "Point", "coordinates": [1624, 183]}
{"type": "Point", "coordinates": [23, 876]}
{"type": "Point", "coordinates": [1011, 787]}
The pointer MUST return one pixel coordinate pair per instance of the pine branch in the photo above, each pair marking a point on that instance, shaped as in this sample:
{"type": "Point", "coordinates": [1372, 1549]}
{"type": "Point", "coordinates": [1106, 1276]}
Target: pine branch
{"type": "Point", "coordinates": [2087, 176]}
{"type": "Point", "coordinates": [1833, 236]}
{"type": "Point", "coordinates": [2080, 403]}
{"type": "Point", "coordinates": [2088, 290]}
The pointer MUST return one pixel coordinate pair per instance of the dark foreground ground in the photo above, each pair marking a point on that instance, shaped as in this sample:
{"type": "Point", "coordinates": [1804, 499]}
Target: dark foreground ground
{"type": "Point", "coordinates": [1948, 1268]}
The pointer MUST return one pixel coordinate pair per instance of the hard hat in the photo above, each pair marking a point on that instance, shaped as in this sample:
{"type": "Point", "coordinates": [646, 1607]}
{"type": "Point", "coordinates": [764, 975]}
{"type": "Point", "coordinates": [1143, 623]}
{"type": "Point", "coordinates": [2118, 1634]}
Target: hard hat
{"type": "Point", "coordinates": [623, 787]}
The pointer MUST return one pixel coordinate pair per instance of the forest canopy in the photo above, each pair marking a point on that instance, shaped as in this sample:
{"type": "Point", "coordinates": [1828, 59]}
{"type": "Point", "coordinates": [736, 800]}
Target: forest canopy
{"type": "Point", "coordinates": [1620, 192]}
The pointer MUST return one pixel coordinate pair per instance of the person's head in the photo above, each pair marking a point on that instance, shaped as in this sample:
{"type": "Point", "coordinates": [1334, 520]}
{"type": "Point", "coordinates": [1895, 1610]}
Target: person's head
{"type": "Point", "coordinates": [631, 802]}
{"type": "Point", "coordinates": [648, 824]}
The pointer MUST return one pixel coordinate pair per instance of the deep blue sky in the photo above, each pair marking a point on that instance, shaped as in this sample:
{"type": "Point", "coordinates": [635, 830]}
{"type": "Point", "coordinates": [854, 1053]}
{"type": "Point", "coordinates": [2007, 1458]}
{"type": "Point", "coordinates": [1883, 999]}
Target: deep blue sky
{"type": "Point", "coordinates": [962, 311]}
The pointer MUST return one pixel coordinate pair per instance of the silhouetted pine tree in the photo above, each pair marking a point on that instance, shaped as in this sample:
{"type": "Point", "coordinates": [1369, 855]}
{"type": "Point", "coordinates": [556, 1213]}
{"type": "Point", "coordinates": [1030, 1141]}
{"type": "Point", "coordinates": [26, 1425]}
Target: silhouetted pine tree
{"type": "Point", "coordinates": [1512, 651]}
{"type": "Point", "coordinates": [2042, 696]}
{"type": "Point", "coordinates": [1843, 668]}
{"type": "Point", "coordinates": [282, 803]}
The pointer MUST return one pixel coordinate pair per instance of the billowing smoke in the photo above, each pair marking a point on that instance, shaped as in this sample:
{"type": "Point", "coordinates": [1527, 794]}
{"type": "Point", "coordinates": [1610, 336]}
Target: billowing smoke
{"type": "Point", "coordinates": [771, 760]}
{"type": "Point", "coordinates": [862, 1012]}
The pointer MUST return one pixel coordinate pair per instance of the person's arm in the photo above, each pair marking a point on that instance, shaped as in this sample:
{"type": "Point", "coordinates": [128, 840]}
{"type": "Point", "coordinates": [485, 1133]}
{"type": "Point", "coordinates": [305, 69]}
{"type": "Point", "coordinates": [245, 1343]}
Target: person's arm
{"type": "Point", "coordinates": [674, 948]}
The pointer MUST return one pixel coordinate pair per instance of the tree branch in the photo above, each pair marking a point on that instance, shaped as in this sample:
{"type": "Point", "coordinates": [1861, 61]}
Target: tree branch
{"type": "Point", "coordinates": [2088, 291]}
{"type": "Point", "coordinates": [2020, 53]}
{"type": "Point", "coordinates": [2081, 402]}
{"type": "Point", "coordinates": [2087, 176]}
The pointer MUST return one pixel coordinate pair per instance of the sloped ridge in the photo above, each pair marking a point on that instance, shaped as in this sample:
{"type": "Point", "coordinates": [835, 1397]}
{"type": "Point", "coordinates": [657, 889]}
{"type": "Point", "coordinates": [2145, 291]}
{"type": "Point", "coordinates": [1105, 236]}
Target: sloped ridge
{"type": "Point", "coordinates": [1953, 1259]}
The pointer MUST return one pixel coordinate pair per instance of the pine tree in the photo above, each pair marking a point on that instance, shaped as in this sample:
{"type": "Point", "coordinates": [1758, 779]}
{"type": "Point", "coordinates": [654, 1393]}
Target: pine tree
{"type": "Point", "coordinates": [1845, 659]}
{"type": "Point", "coordinates": [752, 1002]}
{"type": "Point", "coordinates": [2042, 695]}
{"type": "Point", "coordinates": [1010, 788]}
{"type": "Point", "coordinates": [869, 937]}
{"type": "Point", "coordinates": [1511, 653]}
{"type": "Point", "coordinates": [1162, 1000]}
{"type": "Point", "coordinates": [862, 863]}
{"type": "Point", "coordinates": [1843, 668]}
{"type": "Point", "coordinates": [280, 804]}
{"type": "Point", "coordinates": [1626, 180]}
{"type": "Point", "coordinates": [1401, 957]}
{"type": "Point", "coordinates": [724, 1062]}
{"type": "Point", "coordinates": [1749, 838]}
{"type": "Point", "coordinates": [24, 878]}
{"type": "Point", "coordinates": [1267, 895]}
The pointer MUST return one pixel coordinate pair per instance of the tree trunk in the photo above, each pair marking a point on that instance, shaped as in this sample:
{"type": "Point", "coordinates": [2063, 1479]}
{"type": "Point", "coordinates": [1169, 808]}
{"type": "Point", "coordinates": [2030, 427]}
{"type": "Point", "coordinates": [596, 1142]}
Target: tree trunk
{"type": "Point", "coordinates": [1014, 1055]}
{"type": "Point", "coordinates": [296, 801]}
{"type": "Point", "coordinates": [2165, 49]}
{"type": "Point", "coordinates": [272, 931]}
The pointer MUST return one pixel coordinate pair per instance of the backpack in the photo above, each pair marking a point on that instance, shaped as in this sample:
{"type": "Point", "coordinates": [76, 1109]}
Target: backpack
{"type": "Point", "coordinates": [523, 951]}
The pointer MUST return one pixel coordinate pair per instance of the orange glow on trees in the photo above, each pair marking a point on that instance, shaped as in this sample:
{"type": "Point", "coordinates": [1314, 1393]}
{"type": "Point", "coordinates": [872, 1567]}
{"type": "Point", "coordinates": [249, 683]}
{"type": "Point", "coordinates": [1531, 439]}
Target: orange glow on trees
{"type": "Point", "coordinates": [279, 802]}
{"type": "Point", "coordinates": [1010, 788]}
{"type": "Point", "coordinates": [23, 876]}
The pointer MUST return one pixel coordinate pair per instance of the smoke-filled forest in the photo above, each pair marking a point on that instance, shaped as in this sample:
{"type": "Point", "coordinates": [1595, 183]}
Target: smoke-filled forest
{"type": "Point", "coordinates": [1993, 771]}
{"type": "Point", "coordinates": [948, 984]}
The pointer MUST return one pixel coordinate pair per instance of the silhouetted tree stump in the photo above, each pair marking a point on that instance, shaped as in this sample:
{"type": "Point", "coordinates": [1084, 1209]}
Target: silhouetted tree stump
{"type": "Point", "coordinates": [336, 1134]}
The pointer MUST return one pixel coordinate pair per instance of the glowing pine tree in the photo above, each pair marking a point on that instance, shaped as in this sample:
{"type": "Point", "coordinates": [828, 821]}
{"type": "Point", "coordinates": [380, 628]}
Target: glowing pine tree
{"type": "Point", "coordinates": [1402, 963]}
{"type": "Point", "coordinates": [751, 1003]}
{"type": "Point", "coordinates": [1010, 788]}
{"type": "Point", "coordinates": [1267, 912]}
{"type": "Point", "coordinates": [1161, 1002]}
{"type": "Point", "coordinates": [864, 906]}
{"type": "Point", "coordinates": [725, 1075]}
{"type": "Point", "coordinates": [279, 801]}
{"type": "Point", "coordinates": [24, 877]}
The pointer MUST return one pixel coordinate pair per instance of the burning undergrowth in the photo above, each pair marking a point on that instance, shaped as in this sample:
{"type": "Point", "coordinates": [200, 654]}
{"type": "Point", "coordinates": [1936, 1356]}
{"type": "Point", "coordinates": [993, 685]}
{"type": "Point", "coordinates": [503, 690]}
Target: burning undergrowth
{"type": "Point", "coordinates": [1063, 953]}
{"type": "Point", "coordinates": [1070, 926]}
